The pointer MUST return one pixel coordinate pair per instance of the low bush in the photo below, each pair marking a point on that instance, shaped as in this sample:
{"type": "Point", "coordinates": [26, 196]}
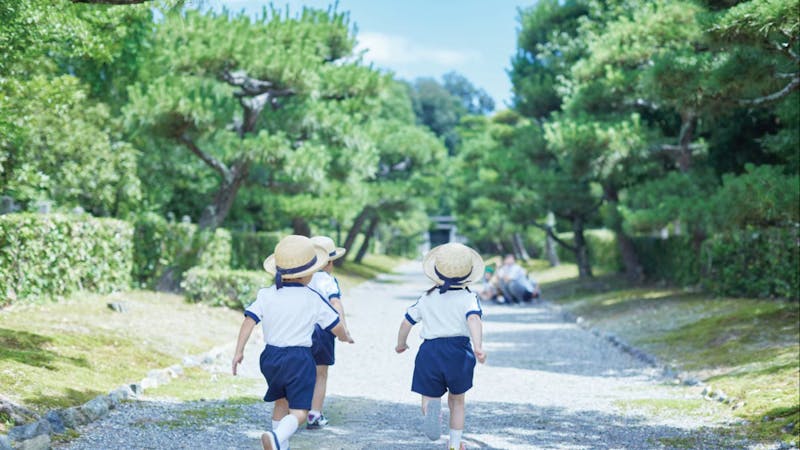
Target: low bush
{"type": "Point", "coordinates": [758, 263]}
{"type": "Point", "coordinates": [52, 255]}
{"type": "Point", "coordinates": [161, 246]}
{"type": "Point", "coordinates": [603, 249]}
{"type": "Point", "coordinates": [250, 248]}
{"type": "Point", "coordinates": [231, 288]}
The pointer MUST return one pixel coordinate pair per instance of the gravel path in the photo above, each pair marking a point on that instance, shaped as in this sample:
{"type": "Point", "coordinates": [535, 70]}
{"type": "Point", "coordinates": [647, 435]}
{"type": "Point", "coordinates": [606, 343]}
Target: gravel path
{"type": "Point", "coordinates": [547, 384]}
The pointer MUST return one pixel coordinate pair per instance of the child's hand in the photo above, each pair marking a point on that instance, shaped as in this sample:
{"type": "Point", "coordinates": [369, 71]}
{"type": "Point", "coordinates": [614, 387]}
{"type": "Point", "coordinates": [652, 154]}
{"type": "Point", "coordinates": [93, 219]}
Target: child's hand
{"type": "Point", "coordinates": [480, 355]}
{"type": "Point", "coordinates": [401, 348]}
{"type": "Point", "coordinates": [347, 338]}
{"type": "Point", "coordinates": [237, 359]}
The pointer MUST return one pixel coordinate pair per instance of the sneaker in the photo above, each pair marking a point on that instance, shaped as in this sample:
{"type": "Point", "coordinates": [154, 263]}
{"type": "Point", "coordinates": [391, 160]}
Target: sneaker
{"type": "Point", "coordinates": [315, 423]}
{"type": "Point", "coordinates": [463, 446]}
{"type": "Point", "coordinates": [269, 441]}
{"type": "Point", "coordinates": [432, 426]}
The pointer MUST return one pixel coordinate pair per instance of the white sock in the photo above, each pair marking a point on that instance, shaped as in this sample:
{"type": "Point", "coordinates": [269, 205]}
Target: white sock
{"type": "Point", "coordinates": [286, 428]}
{"type": "Point", "coordinates": [455, 438]}
{"type": "Point", "coordinates": [314, 413]}
{"type": "Point", "coordinates": [275, 424]}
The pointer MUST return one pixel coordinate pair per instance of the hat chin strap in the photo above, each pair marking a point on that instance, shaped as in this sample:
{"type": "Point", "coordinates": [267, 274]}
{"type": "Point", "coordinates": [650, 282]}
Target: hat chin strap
{"type": "Point", "coordinates": [280, 272]}
{"type": "Point", "coordinates": [449, 281]}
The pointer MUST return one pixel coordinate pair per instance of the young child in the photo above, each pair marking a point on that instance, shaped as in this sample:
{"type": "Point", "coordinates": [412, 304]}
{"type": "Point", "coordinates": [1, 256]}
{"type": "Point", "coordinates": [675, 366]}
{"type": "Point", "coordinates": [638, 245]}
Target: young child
{"type": "Point", "coordinates": [450, 316]}
{"type": "Point", "coordinates": [322, 342]}
{"type": "Point", "coordinates": [288, 312]}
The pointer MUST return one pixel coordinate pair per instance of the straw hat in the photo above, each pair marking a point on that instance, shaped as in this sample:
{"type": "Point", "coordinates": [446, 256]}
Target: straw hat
{"type": "Point", "coordinates": [452, 265]}
{"type": "Point", "coordinates": [295, 257]}
{"type": "Point", "coordinates": [327, 243]}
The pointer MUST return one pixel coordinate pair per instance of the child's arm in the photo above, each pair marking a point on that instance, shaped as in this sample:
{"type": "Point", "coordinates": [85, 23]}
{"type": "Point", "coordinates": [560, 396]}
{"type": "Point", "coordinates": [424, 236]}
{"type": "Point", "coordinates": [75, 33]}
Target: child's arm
{"type": "Point", "coordinates": [244, 334]}
{"type": "Point", "coordinates": [476, 334]}
{"type": "Point", "coordinates": [336, 302]}
{"type": "Point", "coordinates": [341, 332]}
{"type": "Point", "coordinates": [402, 336]}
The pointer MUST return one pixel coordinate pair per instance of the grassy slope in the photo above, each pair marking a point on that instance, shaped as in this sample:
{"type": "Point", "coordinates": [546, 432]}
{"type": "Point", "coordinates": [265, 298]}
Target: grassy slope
{"type": "Point", "coordinates": [748, 348]}
{"type": "Point", "coordinates": [63, 354]}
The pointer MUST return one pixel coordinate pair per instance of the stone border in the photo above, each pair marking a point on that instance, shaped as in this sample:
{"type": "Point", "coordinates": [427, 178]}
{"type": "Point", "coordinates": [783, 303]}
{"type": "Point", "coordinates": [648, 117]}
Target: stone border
{"type": "Point", "coordinates": [36, 435]}
{"type": "Point", "coordinates": [668, 372]}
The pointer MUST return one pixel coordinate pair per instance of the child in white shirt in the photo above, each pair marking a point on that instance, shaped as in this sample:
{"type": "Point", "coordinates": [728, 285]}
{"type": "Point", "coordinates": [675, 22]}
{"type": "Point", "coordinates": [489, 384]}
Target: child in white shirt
{"type": "Point", "coordinates": [288, 312]}
{"type": "Point", "coordinates": [451, 316]}
{"type": "Point", "coordinates": [322, 342]}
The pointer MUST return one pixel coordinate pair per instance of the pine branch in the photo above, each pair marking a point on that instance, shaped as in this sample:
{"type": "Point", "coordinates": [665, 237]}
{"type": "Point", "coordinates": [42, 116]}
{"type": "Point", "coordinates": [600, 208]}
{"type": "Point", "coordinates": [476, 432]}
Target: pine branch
{"type": "Point", "coordinates": [549, 230]}
{"type": "Point", "coordinates": [212, 162]}
{"type": "Point", "coordinates": [788, 89]}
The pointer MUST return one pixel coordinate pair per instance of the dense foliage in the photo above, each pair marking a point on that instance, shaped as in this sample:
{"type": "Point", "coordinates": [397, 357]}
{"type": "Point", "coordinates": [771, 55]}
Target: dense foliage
{"type": "Point", "coordinates": [231, 288]}
{"type": "Point", "coordinates": [54, 255]}
{"type": "Point", "coordinates": [664, 117]}
{"type": "Point", "coordinates": [164, 250]}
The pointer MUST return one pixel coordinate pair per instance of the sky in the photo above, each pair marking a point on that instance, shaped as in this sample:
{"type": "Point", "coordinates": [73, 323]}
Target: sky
{"type": "Point", "coordinates": [427, 38]}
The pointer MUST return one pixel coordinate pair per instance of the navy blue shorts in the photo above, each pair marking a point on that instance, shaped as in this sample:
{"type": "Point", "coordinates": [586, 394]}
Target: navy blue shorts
{"type": "Point", "coordinates": [290, 374]}
{"type": "Point", "coordinates": [322, 347]}
{"type": "Point", "coordinates": [443, 364]}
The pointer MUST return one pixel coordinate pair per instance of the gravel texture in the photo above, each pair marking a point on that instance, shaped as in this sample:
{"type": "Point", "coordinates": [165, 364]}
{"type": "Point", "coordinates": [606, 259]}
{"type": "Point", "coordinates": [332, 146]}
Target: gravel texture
{"type": "Point", "coordinates": [547, 384]}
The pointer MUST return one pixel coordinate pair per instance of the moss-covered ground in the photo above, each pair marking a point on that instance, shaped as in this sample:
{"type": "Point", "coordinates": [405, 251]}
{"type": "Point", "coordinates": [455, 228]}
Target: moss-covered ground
{"type": "Point", "coordinates": [747, 348]}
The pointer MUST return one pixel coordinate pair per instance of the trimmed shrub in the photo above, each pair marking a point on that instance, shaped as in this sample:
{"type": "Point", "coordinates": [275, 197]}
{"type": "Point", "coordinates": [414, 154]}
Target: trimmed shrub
{"type": "Point", "coordinates": [160, 246]}
{"type": "Point", "coordinates": [759, 263]}
{"type": "Point", "coordinates": [52, 255]}
{"type": "Point", "coordinates": [603, 249]}
{"type": "Point", "coordinates": [674, 259]}
{"type": "Point", "coordinates": [231, 288]}
{"type": "Point", "coordinates": [747, 263]}
{"type": "Point", "coordinates": [251, 248]}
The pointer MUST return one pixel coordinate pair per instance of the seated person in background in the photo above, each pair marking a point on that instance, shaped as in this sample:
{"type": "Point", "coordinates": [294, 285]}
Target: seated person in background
{"type": "Point", "coordinates": [488, 289]}
{"type": "Point", "coordinates": [514, 282]}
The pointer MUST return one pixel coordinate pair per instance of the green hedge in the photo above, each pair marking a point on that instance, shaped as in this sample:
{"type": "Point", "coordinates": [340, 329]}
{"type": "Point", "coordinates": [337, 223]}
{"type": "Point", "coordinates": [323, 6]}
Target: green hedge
{"type": "Point", "coordinates": [748, 263]}
{"type": "Point", "coordinates": [160, 245]}
{"type": "Point", "coordinates": [46, 256]}
{"type": "Point", "coordinates": [674, 259]}
{"type": "Point", "coordinates": [231, 288]}
{"type": "Point", "coordinates": [251, 248]}
{"type": "Point", "coordinates": [760, 263]}
{"type": "Point", "coordinates": [603, 249]}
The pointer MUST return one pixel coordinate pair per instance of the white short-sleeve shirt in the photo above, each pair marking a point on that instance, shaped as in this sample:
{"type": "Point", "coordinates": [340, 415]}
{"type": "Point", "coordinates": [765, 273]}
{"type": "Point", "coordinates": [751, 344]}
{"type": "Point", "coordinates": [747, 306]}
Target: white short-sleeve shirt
{"type": "Point", "coordinates": [513, 272]}
{"type": "Point", "coordinates": [326, 284]}
{"type": "Point", "coordinates": [288, 315]}
{"type": "Point", "coordinates": [444, 315]}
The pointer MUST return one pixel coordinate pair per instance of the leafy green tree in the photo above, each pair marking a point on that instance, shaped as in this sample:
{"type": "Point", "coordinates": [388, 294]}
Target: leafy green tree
{"type": "Point", "coordinates": [409, 164]}
{"type": "Point", "coordinates": [475, 100]}
{"type": "Point", "coordinates": [271, 94]}
{"type": "Point", "coordinates": [57, 143]}
{"type": "Point", "coordinates": [438, 109]}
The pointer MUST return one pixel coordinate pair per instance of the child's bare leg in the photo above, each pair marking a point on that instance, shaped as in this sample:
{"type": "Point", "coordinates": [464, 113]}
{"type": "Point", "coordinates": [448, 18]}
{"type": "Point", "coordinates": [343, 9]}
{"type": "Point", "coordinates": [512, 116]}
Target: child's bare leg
{"type": "Point", "coordinates": [280, 409]}
{"type": "Point", "coordinates": [432, 411]}
{"type": "Point", "coordinates": [425, 401]}
{"type": "Point", "coordinates": [456, 405]}
{"type": "Point", "coordinates": [319, 389]}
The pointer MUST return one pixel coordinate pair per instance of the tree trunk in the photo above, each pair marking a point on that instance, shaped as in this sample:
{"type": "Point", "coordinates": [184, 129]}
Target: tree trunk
{"type": "Point", "coordinates": [630, 259]}
{"type": "Point", "coordinates": [300, 227]}
{"type": "Point", "coordinates": [362, 251]}
{"type": "Point", "coordinates": [688, 126]}
{"type": "Point", "coordinates": [358, 223]}
{"type": "Point", "coordinates": [217, 211]}
{"type": "Point", "coordinates": [520, 244]}
{"type": "Point", "coordinates": [550, 249]}
{"type": "Point", "coordinates": [581, 250]}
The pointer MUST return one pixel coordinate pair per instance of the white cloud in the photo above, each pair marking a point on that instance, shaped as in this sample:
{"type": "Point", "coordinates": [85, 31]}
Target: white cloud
{"type": "Point", "coordinates": [391, 50]}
